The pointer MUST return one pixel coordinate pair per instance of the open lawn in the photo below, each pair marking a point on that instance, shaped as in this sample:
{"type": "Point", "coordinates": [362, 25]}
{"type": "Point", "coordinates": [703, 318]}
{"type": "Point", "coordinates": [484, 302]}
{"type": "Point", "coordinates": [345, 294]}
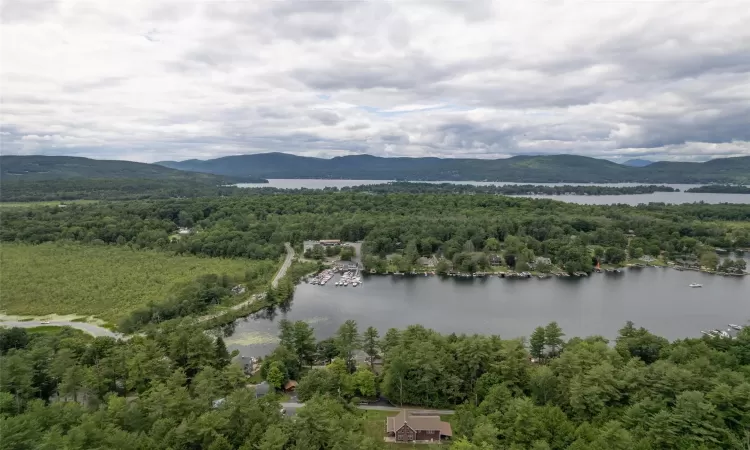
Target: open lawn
{"type": "Point", "coordinates": [107, 282]}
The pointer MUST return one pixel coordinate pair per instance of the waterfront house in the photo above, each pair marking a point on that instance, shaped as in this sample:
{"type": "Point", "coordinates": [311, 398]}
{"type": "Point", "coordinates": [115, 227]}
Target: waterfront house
{"type": "Point", "coordinates": [246, 363]}
{"type": "Point", "coordinates": [542, 260]}
{"type": "Point", "coordinates": [495, 260]}
{"type": "Point", "coordinates": [426, 262]}
{"type": "Point", "coordinates": [411, 426]}
{"type": "Point", "coordinates": [262, 389]}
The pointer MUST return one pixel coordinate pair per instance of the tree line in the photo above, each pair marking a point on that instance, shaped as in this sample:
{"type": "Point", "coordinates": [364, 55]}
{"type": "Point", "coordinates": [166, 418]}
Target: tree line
{"type": "Point", "coordinates": [638, 392]}
{"type": "Point", "coordinates": [721, 189]}
{"type": "Point", "coordinates": [506, 189]}
{"type": "Point", "coordinates": [406, 224]}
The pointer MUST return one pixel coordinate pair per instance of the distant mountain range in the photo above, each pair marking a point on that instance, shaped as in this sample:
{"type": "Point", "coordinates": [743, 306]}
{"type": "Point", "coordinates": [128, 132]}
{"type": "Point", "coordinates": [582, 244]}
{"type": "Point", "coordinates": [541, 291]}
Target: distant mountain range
{"type": "Point", "coordinates": [638, 162]}
{"type": "Point", "coordinates": [523, 169]}
{"type": "Point", "coordinates": [42, 168]}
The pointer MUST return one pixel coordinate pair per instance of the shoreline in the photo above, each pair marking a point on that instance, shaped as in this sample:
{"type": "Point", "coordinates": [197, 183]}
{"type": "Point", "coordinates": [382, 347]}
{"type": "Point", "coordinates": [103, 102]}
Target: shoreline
{"type": "Point", "coordinates": [561, 274]}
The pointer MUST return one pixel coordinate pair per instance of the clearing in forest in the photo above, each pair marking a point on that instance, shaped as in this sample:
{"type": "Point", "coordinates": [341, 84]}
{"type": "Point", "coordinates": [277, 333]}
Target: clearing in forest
{"type": "Point", "coordinates": [103, 281]}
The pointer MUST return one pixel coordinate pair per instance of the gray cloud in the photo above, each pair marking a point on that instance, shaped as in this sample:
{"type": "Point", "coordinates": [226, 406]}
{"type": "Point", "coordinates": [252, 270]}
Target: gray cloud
{"type": "Point", "coordinates": [325, 78]}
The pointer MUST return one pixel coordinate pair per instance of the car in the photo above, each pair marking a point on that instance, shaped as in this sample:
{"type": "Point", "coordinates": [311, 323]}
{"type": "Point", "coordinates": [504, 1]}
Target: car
{"type": "Point", "coordinates": [45, 322]}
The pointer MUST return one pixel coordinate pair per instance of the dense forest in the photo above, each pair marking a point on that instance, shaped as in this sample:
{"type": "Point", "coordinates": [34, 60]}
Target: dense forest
{"type": "Point", "coordinates": [413, 225]}
{"type": "Point", "coordinates": [176, 388]}
{"type": "Point", "coordinates": [522, 169]}
{"type": "Point", "coordinates": [546, 392]}
{"type": "Point", "coordinates": [460, 228]}
{"type": "Point", "coordinates": [721, 189]}
{"type": "Point", "coordinates": [507, 189]}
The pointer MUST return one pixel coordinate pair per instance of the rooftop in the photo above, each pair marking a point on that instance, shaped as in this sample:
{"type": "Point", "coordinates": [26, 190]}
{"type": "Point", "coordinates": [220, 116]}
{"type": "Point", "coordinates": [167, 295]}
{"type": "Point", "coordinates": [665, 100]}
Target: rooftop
{"type": "Point", "coordinates": [418, 422]}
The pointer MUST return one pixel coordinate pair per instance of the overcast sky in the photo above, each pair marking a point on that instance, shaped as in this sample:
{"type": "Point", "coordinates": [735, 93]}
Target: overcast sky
{"type": "Point", "coordinates": [154, 80]}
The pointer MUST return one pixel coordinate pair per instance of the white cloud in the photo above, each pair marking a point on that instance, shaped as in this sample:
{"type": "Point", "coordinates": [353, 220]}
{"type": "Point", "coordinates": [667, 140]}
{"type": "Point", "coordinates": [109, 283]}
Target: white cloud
{"type": "Point", "coordinates": [152, 80]}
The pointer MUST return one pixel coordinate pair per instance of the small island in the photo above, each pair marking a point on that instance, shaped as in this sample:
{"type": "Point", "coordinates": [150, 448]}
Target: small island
{"type": "Point", "coordinates": [720, 189]}
{"type": "Point", "coordinates": [507, 189]}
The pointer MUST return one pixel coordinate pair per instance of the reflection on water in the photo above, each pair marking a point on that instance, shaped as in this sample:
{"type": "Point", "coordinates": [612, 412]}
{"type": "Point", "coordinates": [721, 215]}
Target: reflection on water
{"type": "Point", "coordinates": [656, 298]}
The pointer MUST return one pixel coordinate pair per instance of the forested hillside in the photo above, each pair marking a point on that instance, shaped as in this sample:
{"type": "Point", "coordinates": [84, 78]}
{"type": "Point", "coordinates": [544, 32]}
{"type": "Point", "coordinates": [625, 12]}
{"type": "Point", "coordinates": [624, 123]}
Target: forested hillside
{"type": "Point", "coordinates": [45, 178]}
{"type": "Point", "coordinates": [522, 169]}
{"type": "Point", "coordinates": [38, 167]}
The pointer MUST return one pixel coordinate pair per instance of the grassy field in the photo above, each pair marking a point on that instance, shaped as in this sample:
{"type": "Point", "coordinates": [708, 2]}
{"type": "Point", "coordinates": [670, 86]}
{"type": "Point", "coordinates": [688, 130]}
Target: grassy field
{"type": "Point", "coordinates": [102, 281]}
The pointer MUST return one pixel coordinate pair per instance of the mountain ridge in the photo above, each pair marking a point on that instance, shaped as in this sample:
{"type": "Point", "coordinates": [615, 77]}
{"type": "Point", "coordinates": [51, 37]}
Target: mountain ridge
{"type": "Point", "coordinates": [637, 162]}
{"type": "Point", "coordinates": [43, 167]}
{"type": "Point", "coordinates": [521, 168]}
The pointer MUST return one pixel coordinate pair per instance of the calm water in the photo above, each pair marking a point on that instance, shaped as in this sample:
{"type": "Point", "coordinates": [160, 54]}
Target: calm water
{"type": "Point", "coordinates": [657, 197]}
{"type": "Point", "coordinates": [655, 298]}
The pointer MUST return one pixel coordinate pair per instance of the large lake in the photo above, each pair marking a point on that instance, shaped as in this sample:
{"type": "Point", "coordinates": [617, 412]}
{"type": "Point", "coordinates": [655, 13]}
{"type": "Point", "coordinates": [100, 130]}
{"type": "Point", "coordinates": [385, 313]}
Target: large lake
{"type": "Point", "coordinates": [656, 298]}
{"type": "Point", "coordinates": [657, 197]}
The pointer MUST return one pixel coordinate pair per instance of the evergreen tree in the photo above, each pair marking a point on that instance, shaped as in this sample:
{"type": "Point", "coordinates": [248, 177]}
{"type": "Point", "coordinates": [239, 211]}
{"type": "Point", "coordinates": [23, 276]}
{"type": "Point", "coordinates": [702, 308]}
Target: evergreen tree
{"type": "Point", "coordinates": [223, 358]}
{"type": "Point", "coordinates": [370, 344]}
{"type": "Point", "coordinates": [553, 338]}
{"type": "Point", "coordinates": [537, 342]}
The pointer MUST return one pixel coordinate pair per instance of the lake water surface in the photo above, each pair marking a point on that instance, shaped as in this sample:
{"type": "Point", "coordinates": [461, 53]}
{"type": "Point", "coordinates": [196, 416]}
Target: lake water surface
{"type": "Point", "coordinates": [656, 298]}
{"type": "Point", "coordinates": [657, 197]}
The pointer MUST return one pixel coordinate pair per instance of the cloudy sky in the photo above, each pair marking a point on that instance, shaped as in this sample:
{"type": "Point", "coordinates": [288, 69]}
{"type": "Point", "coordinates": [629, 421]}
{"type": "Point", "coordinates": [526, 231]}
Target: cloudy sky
{"type": "Point", "coordinates": [153, 80]}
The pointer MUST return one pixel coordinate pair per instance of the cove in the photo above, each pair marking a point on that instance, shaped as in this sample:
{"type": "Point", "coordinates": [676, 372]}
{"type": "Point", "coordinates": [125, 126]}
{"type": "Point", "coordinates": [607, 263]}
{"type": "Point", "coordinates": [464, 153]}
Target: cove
{"type": "Point", "coordinates": [658, 299]}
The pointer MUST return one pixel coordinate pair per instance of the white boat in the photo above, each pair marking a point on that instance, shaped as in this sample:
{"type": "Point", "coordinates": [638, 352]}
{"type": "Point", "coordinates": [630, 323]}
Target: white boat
{"type": "Point", "coordinates": [354, 284]}
{"type": "Point", "coordinates": [736, 327]}
{"type": "Point", "coordinates": [695, 285]}
{"type": "Point", "coordinates": [708, 333]}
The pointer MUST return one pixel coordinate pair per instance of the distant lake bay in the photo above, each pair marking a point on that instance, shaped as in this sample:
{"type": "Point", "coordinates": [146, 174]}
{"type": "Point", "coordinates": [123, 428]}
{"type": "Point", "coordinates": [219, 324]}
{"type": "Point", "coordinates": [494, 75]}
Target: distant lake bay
{"type": "Point", "coordinates": [656, 197]}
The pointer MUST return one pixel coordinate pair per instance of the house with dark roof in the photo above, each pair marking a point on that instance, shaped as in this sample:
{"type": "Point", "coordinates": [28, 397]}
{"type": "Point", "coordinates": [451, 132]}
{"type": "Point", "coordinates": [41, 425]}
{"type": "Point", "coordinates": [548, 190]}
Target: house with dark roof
{"type": "Point", "coordinates": [262, 389]}
{"type": "Point", "coordinates": [410, 426]}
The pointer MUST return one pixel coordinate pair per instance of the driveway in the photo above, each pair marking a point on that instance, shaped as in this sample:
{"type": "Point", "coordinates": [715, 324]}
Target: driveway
{"type": "Point", "coordinates": [291, 408]}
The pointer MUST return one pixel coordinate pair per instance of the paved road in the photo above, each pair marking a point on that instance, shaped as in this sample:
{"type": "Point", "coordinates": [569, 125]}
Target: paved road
{"type": "Point", "coordinates": [441, 412]}
{"type": "Point", "coordinates": [285, 266]}
{"type": "Point", "coordinates": [279, 275]}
